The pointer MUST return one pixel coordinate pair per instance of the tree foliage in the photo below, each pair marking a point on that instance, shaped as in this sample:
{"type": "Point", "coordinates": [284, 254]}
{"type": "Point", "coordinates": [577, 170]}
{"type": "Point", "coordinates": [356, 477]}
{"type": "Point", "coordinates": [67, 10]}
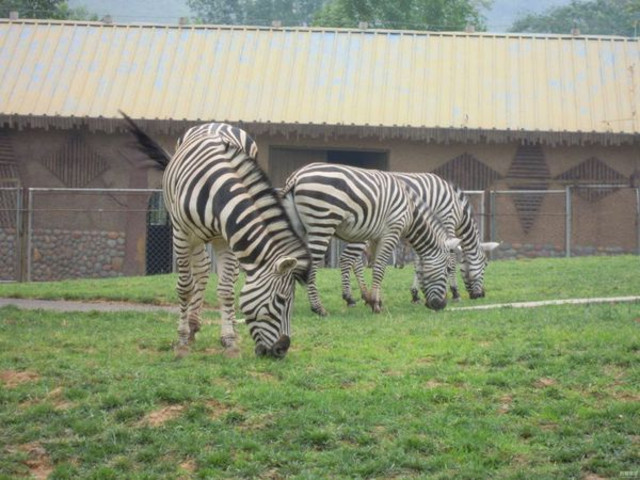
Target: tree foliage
{"type": "Point", "coordinates": [53, 9]}
{"type": "Point", "coordinates": [397, 14]}
{"type": "Point", "coordinates": [438, 15]}
{"type": "Point", "coordinates": [591, 17]}
{"type": "Point", "coordinates": [255, 12]}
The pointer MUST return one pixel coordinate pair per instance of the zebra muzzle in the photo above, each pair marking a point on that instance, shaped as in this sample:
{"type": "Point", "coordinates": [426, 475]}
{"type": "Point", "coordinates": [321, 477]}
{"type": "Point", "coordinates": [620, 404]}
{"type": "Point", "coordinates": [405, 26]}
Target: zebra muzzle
{"type": "Point", "coordinates": [277, 350]}
{"type": "Point", "coordinates": [280, 348]}
{"type": "Point", "coordinates": [437, 304]}
{"type": "Point", "coordinates": [476, 294]}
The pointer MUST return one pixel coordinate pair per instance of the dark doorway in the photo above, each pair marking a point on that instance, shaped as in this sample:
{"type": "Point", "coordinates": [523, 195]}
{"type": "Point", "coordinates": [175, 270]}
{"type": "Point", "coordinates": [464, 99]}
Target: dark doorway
{"type": "Point", "coordinates": [358, 158]}
{"type": "Point", "coordinates": [283, 161]}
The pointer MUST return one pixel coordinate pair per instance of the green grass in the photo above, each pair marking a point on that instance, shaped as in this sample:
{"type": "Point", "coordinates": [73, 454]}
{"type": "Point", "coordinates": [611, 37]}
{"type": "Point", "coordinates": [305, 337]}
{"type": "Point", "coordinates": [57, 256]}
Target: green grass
{"type": "Point", "coordinates": [543, 393]}
{"type": "Point", "coordinates": [506, 281]}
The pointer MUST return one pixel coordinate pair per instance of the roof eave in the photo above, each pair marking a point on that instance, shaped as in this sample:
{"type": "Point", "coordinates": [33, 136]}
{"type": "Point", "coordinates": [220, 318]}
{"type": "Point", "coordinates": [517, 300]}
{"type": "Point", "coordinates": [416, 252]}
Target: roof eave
{"type": "Point", "coordinates": [442, 135]}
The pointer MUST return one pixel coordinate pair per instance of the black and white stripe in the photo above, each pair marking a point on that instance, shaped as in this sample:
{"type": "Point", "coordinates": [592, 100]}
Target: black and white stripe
{"type": "Point", "coordinates": [359, 205]}
{"type": "Point", "coordinates": [216, 193]}
{"type": "Point", "coordinates": [452, 207]}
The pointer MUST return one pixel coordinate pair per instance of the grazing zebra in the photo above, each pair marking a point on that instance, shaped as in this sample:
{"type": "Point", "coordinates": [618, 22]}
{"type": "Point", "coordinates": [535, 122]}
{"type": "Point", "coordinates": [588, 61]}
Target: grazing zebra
{"type": "Point", "coordinates": [452, 207]}
{"type": "Point", "coordinates": [359, 205]}
{"type": "Point", "coordinates": [216, 193]}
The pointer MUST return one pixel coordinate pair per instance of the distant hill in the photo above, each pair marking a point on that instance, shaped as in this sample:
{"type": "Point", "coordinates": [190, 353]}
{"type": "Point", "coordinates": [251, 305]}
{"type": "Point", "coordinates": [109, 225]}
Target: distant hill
{"type": "Point", "coordinates": [501, 16]}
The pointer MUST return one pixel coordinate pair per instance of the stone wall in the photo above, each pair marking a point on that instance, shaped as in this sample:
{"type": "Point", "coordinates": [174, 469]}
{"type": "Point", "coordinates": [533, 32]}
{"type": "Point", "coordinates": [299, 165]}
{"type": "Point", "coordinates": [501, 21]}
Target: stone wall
{"type": "Point", "coordinates": [61, 254]}
{"type": "Point", "coordinates": [530, 250]}
{"type": "Point", "coordinates": [8, 255]}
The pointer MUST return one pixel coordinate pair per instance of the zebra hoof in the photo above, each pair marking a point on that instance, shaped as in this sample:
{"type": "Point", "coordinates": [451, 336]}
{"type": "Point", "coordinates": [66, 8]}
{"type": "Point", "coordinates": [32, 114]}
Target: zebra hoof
{"type": "Point", "coordinates": [320, 311]}
{"type": "Point", "coordinates": [194, 327]}
{"type": "Point", "coordinates": [228, 342]}
{"type": "Point", "coordinates": [415, 297]}
{"type": "Point", "coordinates": [350, 302]}
{"type": "Point", "coordinates": [377, 308]}
{"type": "Point", "coordinates": [231, 352]}
{"type": "Point", "coordinates": [182, 351]}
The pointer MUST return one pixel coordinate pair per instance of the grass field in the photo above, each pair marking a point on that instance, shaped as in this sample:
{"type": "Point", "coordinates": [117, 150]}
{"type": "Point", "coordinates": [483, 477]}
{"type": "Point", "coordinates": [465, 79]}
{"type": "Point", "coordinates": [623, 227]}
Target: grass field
{"type": "Point", "coordinates": [544, 393]}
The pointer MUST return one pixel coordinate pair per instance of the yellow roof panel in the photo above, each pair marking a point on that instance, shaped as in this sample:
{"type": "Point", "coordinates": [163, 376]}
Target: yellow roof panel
{"type": "Point", "coordinates": [320, 76]}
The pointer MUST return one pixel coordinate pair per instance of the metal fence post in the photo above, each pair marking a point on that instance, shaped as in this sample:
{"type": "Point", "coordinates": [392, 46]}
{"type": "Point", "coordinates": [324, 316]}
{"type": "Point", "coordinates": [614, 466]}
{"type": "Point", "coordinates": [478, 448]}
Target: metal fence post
{"type": "Point", "coordinates": [567, 222]}
{"type": "Point", "coordinates": [492, 215]}
{"type": "Point", "coordinates": [17, 263]}
{"type": "Point", "coordinates": [29, 232]}
{"type": "Point", "coordinates": [638, 220]}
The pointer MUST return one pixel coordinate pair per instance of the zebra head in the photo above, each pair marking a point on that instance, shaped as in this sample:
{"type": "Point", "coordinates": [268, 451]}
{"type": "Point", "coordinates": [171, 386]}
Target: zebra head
{"type": "Point", "coordinates": [266, 300]}
{"type": "Point", "coordinates": [433, 269]}
{"type": "Point", "coordinates": [472, 267]}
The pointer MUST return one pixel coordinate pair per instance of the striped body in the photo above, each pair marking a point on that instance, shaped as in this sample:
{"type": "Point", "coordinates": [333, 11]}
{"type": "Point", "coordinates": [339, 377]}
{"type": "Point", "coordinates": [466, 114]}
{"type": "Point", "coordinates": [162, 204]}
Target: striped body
{"type": "Point", "coordinates": [216, 193]}
{"type": "Point", "coordinates": [359, 205]}
{"type": "Point", "coordinates": [452, 207]}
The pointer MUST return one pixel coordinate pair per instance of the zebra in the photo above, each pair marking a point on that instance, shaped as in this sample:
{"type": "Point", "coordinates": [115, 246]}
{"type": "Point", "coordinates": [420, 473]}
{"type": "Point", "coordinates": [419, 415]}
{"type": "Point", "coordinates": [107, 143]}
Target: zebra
{"type": "Point", "coordinates": [216, 193]}
{"type": "Point", "coordinates": [357, 205]}
{"type": "Point", "coordinates": [452, 207]}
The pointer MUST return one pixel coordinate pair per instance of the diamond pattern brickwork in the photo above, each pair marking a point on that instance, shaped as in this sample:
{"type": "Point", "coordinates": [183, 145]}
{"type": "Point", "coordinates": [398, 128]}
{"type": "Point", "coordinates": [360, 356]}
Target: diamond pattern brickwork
{"type": "Point", "coordinates": [75, 164]}
{"type": "Point", "coordinates": [468, 172]}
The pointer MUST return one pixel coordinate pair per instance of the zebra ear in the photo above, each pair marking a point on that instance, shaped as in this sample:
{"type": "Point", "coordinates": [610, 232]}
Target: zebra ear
{"type": "Point", "coordinates": [285, 264]}
{"type": "Point", "coordinates": [452, 243]}
{"type": "Point", "coordinates": [488, 246]}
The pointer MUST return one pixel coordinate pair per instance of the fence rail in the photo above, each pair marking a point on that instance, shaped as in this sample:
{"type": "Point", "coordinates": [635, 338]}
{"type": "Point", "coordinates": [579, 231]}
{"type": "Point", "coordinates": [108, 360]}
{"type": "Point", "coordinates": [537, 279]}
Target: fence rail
{"type": "Point", "coordinates": [58, 233]}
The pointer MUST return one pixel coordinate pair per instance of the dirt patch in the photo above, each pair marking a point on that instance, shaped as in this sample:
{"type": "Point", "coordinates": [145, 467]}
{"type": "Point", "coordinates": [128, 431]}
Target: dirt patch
{"type": "Point", "coordinates": [505, 404]}
{"type": "Point", "coordinates": [434, 384]}
{"type": "Point", "coordinates": [55, 396]}
{"type": "Point", "coordinates": [13, 378]}
{"type": "Point", "coordinates": [187, 469]}
{"type": "Point", "coordinates": [264, 376]}
{"type": "Point", "coordinates": [159, 417]}
{"type": "Point", "coordinates": [544, 383]}
{"type": "Point", "coordinates": [592, 476]}
{"type": "Point", "coordinates": [217, 409]}
{"type": "Point", "coordinates": [38, 460]}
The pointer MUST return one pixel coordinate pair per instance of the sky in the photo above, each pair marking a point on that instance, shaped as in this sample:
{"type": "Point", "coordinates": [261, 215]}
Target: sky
{"type": "Point", "coordinates": [499, 18]}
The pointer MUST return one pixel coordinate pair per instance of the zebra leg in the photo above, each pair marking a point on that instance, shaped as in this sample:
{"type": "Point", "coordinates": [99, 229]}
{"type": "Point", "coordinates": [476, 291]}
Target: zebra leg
{"type": "Point", "coordinates": [382, 253]}
{"type": "Point", "coordinates": [352, 258]}
{"type": "Point", "coordinates": [318, 246]}
{"type": "Point", "coordinates": [228, 270]}
{"type": "Point", "coordinates": [415, 286]}
{"type": "Point", "coordinates": [453, 277]}
{"type": "Point", "coordinates": [346, 262]}
{"type": "Point", "coordinates": [200, 268]}
{"type": "Point", "coordinates": [184, 288]}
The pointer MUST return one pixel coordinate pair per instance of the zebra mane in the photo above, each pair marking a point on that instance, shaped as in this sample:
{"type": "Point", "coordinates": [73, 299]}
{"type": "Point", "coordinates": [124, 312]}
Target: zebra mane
{"type": "Point", "coordinates": [266, 197]}
{"type": "Point", "coordinates": [148, 145]}
{"type": "Point", "coordinates": [426, 212]}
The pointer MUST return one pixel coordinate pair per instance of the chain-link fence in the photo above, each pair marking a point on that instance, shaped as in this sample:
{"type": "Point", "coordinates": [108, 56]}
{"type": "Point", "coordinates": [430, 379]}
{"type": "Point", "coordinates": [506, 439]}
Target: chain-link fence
{"type": "Point", "coordinates": [10, 220]}
{"type": "Point", "coordinates": [53, 234]}
{"type": "Point", "coordinates": [579, 220]}
{"type": "Point", "coordinates": [85, 233]}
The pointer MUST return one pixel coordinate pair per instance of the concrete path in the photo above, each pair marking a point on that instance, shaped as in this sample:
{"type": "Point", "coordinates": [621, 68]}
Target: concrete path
{"type": "Point", "coordinates": [76, 306]}
{"type": "Point", "coordinates": [544, 303]}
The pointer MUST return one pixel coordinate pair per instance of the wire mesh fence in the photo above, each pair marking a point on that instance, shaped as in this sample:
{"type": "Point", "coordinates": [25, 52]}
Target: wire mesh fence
{"type": "Point", "coordinates": [53, 234]}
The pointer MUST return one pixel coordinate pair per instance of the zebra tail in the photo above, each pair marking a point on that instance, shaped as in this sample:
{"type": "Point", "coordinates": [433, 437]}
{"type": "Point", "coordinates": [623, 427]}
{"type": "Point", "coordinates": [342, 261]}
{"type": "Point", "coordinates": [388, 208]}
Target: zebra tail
{"type": "Point", "coordinates": [148, 145]}
{"type": "Point", "coordinates": [288, 203]}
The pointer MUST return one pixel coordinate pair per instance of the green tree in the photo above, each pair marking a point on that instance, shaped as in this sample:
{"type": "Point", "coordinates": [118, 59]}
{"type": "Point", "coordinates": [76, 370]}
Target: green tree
{"type": "Point", "coordinates": [438, 15]}
{"type": "Point", "coordinates": [592, 17]}
{"type": "Point", "coordinates": [54, 9]}
{"type": "Point", "coordinates": [255, 12]}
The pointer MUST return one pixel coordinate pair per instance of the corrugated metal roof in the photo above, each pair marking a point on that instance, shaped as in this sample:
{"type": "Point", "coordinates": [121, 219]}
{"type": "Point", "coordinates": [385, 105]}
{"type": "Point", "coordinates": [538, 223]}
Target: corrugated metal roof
{"type": "Point", "coordinates": [401, 80]}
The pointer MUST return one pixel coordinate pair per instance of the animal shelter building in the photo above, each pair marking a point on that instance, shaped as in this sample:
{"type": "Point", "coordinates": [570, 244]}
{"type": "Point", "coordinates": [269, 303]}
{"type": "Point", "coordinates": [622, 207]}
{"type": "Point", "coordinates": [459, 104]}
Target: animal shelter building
{"type": "Point", "coordinates": [543, 131]}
